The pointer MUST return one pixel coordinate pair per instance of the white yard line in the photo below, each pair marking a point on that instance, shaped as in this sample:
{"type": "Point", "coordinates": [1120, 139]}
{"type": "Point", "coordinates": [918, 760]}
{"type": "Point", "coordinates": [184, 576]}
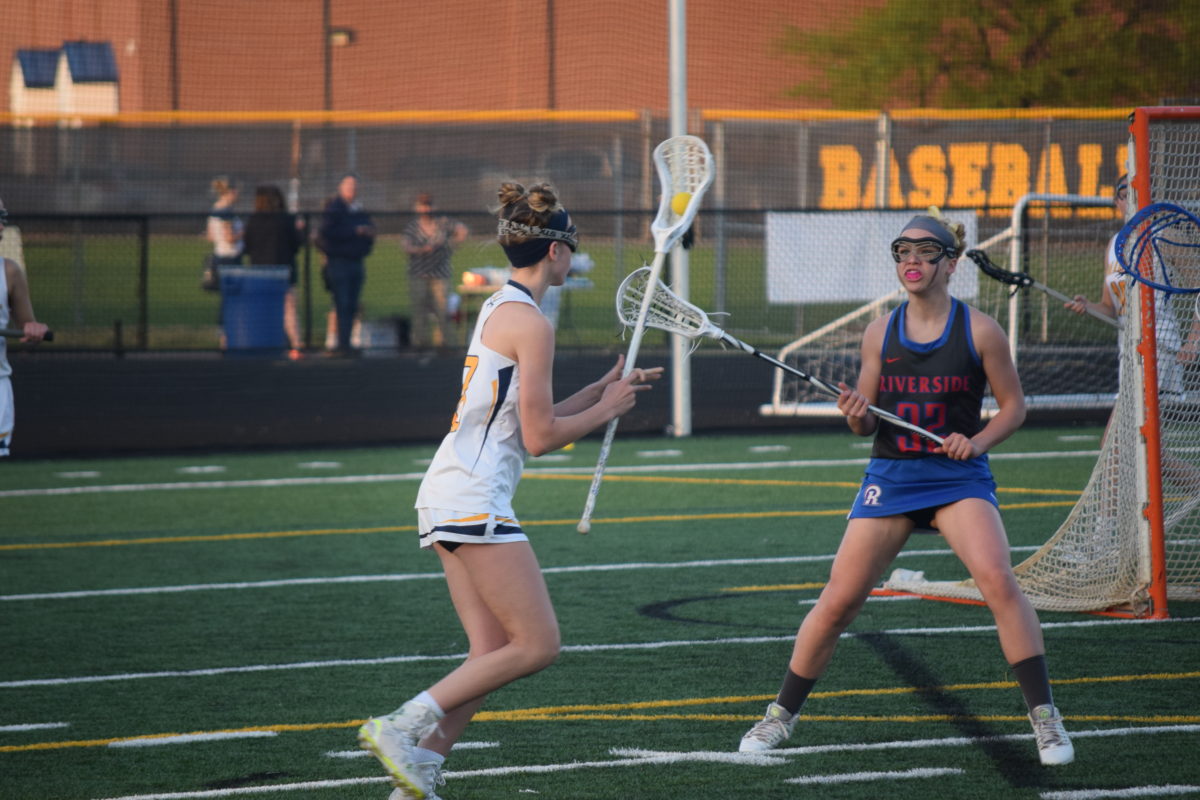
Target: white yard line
{"type": "Point", "coordinates": [633, 757]}
{"type": "Point", "coordinates": [1133, 791]}
{"type": "Point", "coordinates": [352, 754]}
{"type": "Point", "coordinates": [192, 738]}
{"type": "Point", "coordinates": [267, 483]}
{"type": "Point", "coordinates": [569, 648]}
{"type": "Point", "coordinates": [33, 726]}
{"type": "Point", "coordinates": [864, 777]}
{"type": "Point", "coordinates": [418, 576]}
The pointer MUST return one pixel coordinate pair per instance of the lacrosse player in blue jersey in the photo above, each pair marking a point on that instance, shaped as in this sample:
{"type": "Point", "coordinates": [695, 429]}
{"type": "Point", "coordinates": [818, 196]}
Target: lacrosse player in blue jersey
{"type": "Point", "coordinates": [929, 361]}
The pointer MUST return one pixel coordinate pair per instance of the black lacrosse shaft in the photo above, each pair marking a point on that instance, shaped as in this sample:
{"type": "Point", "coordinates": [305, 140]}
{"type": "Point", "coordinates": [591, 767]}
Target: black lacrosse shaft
{"type": "Point", "coordinates": [826, 386]}
{"type": "Point", "coordinates": [17, 333]}
{"type": "Point", "coordinates": [1025, 281]}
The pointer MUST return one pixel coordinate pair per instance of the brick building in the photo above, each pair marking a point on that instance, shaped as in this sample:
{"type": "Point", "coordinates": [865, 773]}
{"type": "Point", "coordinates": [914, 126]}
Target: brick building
{"type": "Point", "coordinates": [364, 55]}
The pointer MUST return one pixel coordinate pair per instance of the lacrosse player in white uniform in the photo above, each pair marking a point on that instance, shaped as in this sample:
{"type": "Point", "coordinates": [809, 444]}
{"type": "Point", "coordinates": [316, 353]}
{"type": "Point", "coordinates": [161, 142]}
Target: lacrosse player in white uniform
{"type": "Point", "coordinates": [464, 505]}
{"type": "Point", "coordinates": [16, 310]}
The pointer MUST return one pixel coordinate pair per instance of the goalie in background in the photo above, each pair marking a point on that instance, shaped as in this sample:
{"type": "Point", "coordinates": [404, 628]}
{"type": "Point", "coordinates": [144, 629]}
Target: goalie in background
{"type": "Point", "coordinates": [464, 505]}
{"type": "Point", "coordinates": [1112, 295]}
{"type": "Point", "coordinates": [933, 356]}
{"type": "Point", "coordinates": [16, 311]}
{"type": "Point", "coordinates": [1175, 348]}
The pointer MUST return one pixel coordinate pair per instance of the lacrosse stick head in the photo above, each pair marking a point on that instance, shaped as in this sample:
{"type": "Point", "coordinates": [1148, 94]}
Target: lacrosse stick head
{"type": "Point", "coordinates": [667, 311]}
{"type": "Point", "coordinates": [1160, 247]}
{"type": "Point", "coordinates": [1020, 280]}
{"type": "Point", "coordinates": [685, 171]}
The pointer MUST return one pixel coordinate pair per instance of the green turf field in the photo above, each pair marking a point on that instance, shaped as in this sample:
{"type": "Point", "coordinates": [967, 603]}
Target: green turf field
{"type": "Point", "coordinates": [84, 284]}
{"type": "Point", "coordinates": [218, 626]}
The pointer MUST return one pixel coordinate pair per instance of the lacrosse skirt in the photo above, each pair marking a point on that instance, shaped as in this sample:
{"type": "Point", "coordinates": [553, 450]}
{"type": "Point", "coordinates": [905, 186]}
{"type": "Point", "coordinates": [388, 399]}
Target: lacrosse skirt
{"type": "Point", "coordinates": [894, 486]}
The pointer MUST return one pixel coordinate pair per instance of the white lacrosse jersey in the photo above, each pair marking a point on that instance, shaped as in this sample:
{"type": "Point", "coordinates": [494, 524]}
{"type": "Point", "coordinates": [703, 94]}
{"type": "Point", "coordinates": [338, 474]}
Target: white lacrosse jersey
{"type": "Point", "coordinates": [5, 367]}
{"type": "Point", "coordinates": [479, 463]}
{"type": "Point", "coordinates": [1167, 329]}
{"type": "Point", "coordinates": [1116, 282]}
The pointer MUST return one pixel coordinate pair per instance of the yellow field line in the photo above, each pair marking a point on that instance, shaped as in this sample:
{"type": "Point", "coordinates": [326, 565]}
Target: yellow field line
{"type": "Point", "coordinates": [781, 587]}
{"type": "Point", "coordinates": [609, 711]}
{"type": "Point", "coordinates": [759, 482]}
{"type": "Point", "coordinates": [696, 481]}
{"type": "Point", "coordinates": [231, 537]}
{"type": "Point", "coordinates": [1157, 719]}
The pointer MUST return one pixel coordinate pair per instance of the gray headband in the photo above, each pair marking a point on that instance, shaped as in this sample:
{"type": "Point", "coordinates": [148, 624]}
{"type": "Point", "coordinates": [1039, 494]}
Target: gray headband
{"type": "Point", "coordinates": [935, 229]}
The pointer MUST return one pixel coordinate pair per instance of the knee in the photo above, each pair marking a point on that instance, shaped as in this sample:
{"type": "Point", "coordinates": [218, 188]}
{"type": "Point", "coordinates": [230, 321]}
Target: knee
{"type": "Point", "coordinates": [540, 651]}
{"type": "Point", "coordinates": [997, 585]}
{"type": "Point", "coordinates": [545, 653]}
{"type": "Point", "coordinates": [835, 613]}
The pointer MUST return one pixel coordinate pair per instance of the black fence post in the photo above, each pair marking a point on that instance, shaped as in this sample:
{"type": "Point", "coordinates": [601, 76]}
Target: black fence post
{"type": "Point", "coordinates": [143, 333]}
{"type": "Point", "coordinates": [308, 310]}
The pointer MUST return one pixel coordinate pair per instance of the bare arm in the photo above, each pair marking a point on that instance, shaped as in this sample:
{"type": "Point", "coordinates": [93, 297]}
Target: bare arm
{"type": "Point", "coordinates": [523, 334]}
{"type": "Point", "coordinates": [590, 394]}
{"type": "Point", "coordinates": [1002, 377]}
{"type": "Point", "coordinates": [20, 304]}
{"type": "Point", "coordinates": [1081, 305]}
{"type": "Point", "coordinates": [853, 402]}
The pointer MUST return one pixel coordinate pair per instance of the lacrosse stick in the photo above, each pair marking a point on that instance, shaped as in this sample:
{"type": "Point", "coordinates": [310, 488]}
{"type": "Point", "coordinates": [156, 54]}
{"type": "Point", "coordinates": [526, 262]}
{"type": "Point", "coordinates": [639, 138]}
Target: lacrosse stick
{"type": "Point", "coordinates": [17, 333]}
{"type": "Point", "coordinates": [1023, 280]}
{"type": "Point", "coordinates": [672, 314]}
{"type": "Point", "coordinates": [685, 171]}
{"type": "Point", "coordinates": [1160, 247]}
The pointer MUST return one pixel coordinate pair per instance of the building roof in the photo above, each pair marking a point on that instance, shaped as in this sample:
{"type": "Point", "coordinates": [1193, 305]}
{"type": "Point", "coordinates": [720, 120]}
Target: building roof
{"type": "Point", "coordinates": [91, 62]}
{"type": "Point", "coordinates": [37, 67]}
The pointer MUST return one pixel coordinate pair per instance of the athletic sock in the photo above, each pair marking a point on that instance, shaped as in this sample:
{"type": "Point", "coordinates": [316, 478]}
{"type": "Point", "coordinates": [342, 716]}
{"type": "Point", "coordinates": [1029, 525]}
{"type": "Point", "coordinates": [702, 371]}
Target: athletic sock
{"type": "Point", "coordinates": [426, 699]}
{"type": "Point", "coordinates": [422, 755]}
{"type": "Point", "coordinates": [794, 691]}
{"type": "Point", "coordinates": [1034, 680]}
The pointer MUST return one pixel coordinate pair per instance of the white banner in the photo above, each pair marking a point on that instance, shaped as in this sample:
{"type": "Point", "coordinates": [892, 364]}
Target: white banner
{"type": "Point", "coordinates": [838, 256]}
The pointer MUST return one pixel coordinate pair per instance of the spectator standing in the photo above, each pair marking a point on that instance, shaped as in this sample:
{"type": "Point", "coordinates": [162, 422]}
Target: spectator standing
{"type": "Point", "coordinates": [225, 228]}
{"type": "Point", "coordinates": [273, 236]}
{"type": "Point", "coordinates": [346, 236]}
{"type": "Point", "coordinates": [16, 311]}
{"type": "Point", "coordinates": [429, 241]}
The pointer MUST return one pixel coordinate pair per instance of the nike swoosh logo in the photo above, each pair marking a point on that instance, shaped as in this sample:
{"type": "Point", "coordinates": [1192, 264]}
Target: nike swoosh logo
{"type": "Point", "coordinates": [893, 360]}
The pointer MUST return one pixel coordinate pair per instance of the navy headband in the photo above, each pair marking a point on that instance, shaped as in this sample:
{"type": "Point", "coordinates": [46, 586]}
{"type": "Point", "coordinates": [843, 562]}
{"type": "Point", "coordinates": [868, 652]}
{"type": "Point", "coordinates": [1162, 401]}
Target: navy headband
{"type": "Point", "coordinates": [935, 229]}
{"type": "Point", "coordinates": [529, 252]}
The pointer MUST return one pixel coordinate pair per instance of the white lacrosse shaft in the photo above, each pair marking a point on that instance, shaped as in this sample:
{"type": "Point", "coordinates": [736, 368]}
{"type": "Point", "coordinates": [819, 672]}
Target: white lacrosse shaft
{"type": "Point", "coordinates": [673, 314]}
{"type": "Point", "coordinates": [1057, 295]}
{"type": "Point", "coordinates": [685, 167]}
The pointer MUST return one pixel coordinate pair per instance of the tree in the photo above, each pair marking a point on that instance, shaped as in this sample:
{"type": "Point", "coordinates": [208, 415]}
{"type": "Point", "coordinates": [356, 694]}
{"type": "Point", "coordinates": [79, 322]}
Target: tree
{"type": "Point", "coordinates": [1004, 54]}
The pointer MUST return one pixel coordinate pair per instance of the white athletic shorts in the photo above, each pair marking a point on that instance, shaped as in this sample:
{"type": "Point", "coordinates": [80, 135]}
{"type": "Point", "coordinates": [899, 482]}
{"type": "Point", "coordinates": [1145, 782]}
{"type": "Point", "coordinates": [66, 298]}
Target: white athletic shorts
{"type": "Point", "coordinates": [466, 527]}
{"type": "Point", "coordinates": [6, 414]}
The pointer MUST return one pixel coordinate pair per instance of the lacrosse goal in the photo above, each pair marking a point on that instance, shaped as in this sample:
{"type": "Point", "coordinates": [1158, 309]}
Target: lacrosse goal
{"type": "Point", "coordinates": [1132, 541]}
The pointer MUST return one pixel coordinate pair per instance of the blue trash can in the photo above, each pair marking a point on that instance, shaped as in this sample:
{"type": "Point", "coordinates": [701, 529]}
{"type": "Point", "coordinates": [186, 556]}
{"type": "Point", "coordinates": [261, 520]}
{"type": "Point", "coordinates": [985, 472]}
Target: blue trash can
{"type": "Point", "coordinates": [252, 309]}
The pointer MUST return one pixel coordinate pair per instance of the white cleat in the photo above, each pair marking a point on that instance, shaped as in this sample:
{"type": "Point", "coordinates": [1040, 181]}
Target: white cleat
{"type": "Point", "coordinates": [392, 739]}
{"type": "Point", "coordinates": [433, 775]}
{"type": "Point", "coordinates": [769, 732]}
{"type": "Point", "coordinates": [1054, 746]}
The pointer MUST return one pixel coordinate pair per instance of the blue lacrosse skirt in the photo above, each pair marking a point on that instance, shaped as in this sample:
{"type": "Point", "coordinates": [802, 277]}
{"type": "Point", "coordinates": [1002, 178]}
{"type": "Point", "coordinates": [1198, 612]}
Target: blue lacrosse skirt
{"type": "Point", "coordinates": [893, 486]}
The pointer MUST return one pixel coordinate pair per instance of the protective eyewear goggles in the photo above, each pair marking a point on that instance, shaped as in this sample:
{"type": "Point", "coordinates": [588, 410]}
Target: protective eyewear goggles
{"type": "Point", "coordinates": [929, 250]}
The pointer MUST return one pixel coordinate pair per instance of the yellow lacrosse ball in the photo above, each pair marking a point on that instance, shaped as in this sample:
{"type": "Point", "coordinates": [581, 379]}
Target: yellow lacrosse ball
{"type": "Point", "coordinates": [679, 202]}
